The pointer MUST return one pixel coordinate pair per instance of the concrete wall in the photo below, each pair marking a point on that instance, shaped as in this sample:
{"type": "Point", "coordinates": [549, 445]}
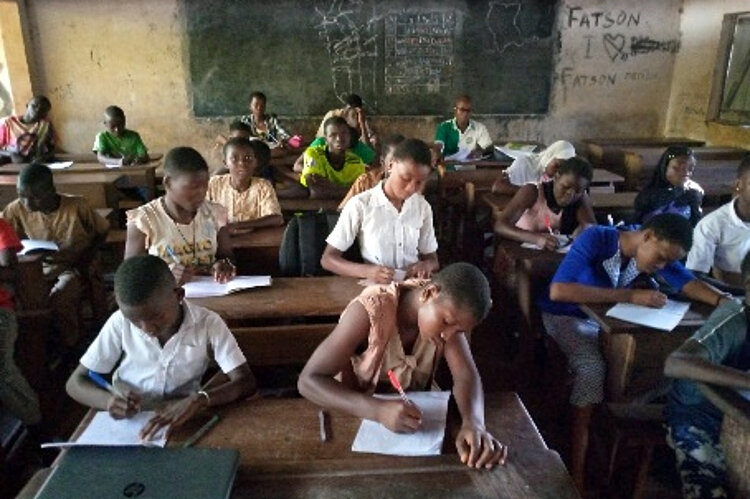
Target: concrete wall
{"type": "Point", "coordinates": [693, 74]}
{"type": "Point", "coordinates": [88, 54]}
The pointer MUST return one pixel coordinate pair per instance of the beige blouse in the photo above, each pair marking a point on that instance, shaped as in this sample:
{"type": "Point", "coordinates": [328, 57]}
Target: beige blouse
{"type": "Point", "coordinates": [384, 349]}
{"type": "Point", "coordinates": [193, 244]}
{"type": "Point", "coordinates": [258, 200]}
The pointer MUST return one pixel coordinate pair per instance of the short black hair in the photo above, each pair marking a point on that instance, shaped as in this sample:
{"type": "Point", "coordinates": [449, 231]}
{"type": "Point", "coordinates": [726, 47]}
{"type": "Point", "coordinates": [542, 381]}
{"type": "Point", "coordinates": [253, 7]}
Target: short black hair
{"type": "Point", "coordinates": [390, 142]}
{"type": "Point", "coordinates": [240, 125]}
{"type": "Point", "coordinates": [577, 166]}
{"type": "Point", "coordinates": [262, 151]}
{"type": "Point", "coordinates": [36, 175]}
{"type": "Point", "coordinates": [745, 267]}
{"type": "Point", "coordinates": [353, 100]}
{"type": "Point", "coordinates": [462, 98]}
{"type": "Point", "coordinates": [672, 228]}
{"type": "Point", "coordinates": [114, 112]}
{"type": "Point", "coordinates": [415, 150]}
{"type": "Point", "coordinates": [744, 166]}
{"type": "Point", "coordinates": [466, 286]}
{"type": "Point", "coordinates": [183, 159]}
{"type": "Point", "coordinates": [257, 95]}
{"type": "Point", "coordinates": [140, 278]}
{"type": "Point", "coordinates": [235, 142]}
{"type": "Point", "coordinates": [334, 120]}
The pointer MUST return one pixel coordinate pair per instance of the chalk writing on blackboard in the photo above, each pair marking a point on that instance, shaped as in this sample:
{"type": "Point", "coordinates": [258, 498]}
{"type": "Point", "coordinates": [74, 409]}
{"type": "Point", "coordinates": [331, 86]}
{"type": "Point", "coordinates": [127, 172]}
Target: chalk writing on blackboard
{"type": "Point", "coordinates": [419, 52]}
{"type": "Point", "coordinates": [502, 21]}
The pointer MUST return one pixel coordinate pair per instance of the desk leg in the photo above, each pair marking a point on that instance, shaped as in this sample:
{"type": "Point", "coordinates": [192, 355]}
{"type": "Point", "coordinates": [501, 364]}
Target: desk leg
{"type": "Point", "coordinates": [619, 352]}
{"type": "Point", "coordinates": [150, 183]}
{"type": "Point", "coordinates": [528, 333]}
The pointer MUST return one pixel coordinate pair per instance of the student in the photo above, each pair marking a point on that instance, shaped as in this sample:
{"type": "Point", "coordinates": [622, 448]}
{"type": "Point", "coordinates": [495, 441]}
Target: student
{"type": "Point", "coordinates": [718, 353]}
{"type": "Point", "coordinates": [722, 237]}
{"type": "Point", "coordinates": [375, 174]}
{"type": "Point", "coordinates": [118, 145]}
{"type": "Point", "coordinates": [392, 222]}
{"type": "Point", "coordinates": [671, 189]}
{"type": "Point", "coordinates": [16, 396]}
{"type": "Point", "coordinates": [182, 227]}
{"type": "Point", "coordinates": [29, 137]}
{"type": "Point", "coordinates": [159, 346]}
{"type": "Point", "coordinates": [265, 127]}
{"type": "Point", "coordinates": [407, 327]}
{"type": "Point", "coordinates": [599, 268]}
{"type": "Point", "coordinates": [331, 169]}
{"type": "Point", "coordinates": [354, 114]}
{"type": "Point", "coordinates": [365, 152]}
{"type": "Point", "coordinates": [462, 133]}
{"type": "Point", "coordinates": [533, 168]}
{"type": "Point", "coordinates": [560, 205]}
{"type": "Point", "coordinates": [250, 201]}
{"type": "Point", "coordinates": [41, 213]}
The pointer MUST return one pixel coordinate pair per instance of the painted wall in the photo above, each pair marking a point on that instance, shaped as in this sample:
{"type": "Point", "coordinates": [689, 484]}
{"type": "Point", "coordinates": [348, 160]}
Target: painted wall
{"type": "Point", "coordinates": [613, 73]}
{"type": "Point", "coordinates": [693, 74]}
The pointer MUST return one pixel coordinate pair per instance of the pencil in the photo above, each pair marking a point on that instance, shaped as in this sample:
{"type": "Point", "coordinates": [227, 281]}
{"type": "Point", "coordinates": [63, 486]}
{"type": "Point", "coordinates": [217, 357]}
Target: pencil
{"type": "Point", "coordinates": [322, 422]}
{"type": "Point", "coordinates": [202, 431]}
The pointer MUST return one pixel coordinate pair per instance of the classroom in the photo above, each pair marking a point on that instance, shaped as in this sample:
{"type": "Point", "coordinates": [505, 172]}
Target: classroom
{"type": "Point", "coordinates": [552, 195]}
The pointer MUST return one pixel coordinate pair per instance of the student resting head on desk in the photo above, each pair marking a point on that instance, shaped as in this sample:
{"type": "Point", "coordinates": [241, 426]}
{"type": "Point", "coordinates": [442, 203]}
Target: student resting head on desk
{"type": "Point", "coordinates": [41, 213]}
{"type": "Point", "coordinates": [250, 201]}
{"type": "Point", "coordinates": [118, 145]}
{"type": "Point", "coordinates": [159, 346]}
{"type": "Point", "coordinates": [533, 168]}
{"type": "Point", "coordinates": [29, 137]}
{"type": "Point", "coordinates": [329, 170]}
{"type": "Point", "coordinates": [182, 227]}
{"type": "Point", "coordinates": [599, 268]}
{"type": "Point", "coordinates": [560, 205]}
{"type": "Point", "coordinates": [719, 354]}
{"type": "Point", "coordinates": [722, 238]}
{"type": "Point", "coordinates": [392, 223]}
{"type": "Point", "coordinates": [671, 189]}
{"type": "Point", "coordinates": [407, 327]}
{"type": "Point", "coordinates": [376, 173]}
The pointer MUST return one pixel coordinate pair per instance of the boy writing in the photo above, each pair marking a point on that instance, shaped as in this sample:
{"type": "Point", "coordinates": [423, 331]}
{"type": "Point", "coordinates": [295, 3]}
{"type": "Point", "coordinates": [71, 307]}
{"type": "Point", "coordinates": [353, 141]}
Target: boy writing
{"type": "Point", "coordinates": [718, 353]}
{"type": "Point", "coordinates": [41, 213]}
{"type": "Point", "coordinates": [159, 347]}
{"type": "Point", "coordinates": [118, 145]}
{"type": "Point", "coordinates": [29, 137]}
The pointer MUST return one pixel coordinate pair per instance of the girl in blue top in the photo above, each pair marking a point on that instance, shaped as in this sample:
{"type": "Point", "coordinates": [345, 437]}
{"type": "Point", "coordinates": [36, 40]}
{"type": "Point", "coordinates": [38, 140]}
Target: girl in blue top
{"type": "Point", "coordinates": [601, 265]}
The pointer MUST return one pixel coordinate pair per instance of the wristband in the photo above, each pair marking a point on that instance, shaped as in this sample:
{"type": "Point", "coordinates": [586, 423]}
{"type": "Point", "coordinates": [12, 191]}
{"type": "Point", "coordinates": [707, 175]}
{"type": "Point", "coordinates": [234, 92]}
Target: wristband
{"type": "Point", "coordinates": [205, 394]}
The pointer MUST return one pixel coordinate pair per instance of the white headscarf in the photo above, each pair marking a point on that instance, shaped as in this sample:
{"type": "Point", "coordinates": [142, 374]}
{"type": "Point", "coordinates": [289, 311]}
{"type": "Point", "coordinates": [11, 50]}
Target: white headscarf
{"type": "Point", "coordinates": [530, 168]}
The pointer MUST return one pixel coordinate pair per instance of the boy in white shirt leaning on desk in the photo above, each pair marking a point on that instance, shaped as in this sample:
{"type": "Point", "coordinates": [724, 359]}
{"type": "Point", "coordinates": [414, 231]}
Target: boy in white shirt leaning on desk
{"type": "Point", "coordinates": [165, 344]}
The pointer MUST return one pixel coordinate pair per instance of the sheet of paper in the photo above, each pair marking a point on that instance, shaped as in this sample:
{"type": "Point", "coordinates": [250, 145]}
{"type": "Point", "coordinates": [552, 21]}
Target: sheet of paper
{"type": "Point", "coordinates": [206, 286]}
{"type": "Point", "coordinates": [31, 245]}
{"type": "Point", "coordinates": [59, 165]}
{"type": "Point", "coordinates": [564, 243]}
{"type": "Point", "coordinates": [665, 318]}
{"type": "Point", "coordinates": [513, 152]}
{"type": "Point", "coordinates": [427, 441]}
{"type": "Point", "coordinates": [398, 276]}
{"type": "Point", "coordinates": [105, 430]}
{"type": "Point", "coordinates": [460, 155]}
{"type": "Point", "coordinates": [112, 165]}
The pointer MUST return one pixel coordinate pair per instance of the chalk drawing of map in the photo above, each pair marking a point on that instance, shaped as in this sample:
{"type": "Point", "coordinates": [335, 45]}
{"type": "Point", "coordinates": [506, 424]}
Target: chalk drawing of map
{"type": "Point", "coordinates": [502, 21]}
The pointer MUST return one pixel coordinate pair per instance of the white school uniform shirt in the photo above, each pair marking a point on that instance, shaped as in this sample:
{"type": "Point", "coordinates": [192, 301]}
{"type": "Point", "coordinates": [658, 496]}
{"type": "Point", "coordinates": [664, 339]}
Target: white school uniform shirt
{"type": "Point", "coordinates": [386, 236]}
{"type": "Point", "coordinates": [173, 371]}
{"type": "Point", "coordinates": [721, 239]}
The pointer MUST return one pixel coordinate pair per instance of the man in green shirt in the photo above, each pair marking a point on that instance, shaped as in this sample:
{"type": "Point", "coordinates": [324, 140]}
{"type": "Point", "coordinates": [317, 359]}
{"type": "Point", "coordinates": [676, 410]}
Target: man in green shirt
{"type": "Point", "coordinates": [462, 135]}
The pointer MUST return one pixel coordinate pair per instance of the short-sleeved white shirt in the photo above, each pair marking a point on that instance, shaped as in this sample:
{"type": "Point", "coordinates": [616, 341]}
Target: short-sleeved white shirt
{"type": "Point", "coordinates": [524, 170]}
{"type": "Point", "coordinates": [721, 239]}
{"type": "Point", "coordinates": [173, 371]}
{"type": "Point", "coordinates": [386, 236]}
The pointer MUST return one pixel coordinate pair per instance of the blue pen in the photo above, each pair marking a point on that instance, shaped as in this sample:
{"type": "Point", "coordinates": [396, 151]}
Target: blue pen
{"type": "Point", "coordinates": [170, 252]}
{"type": "Point", "coordinates": [99, 380]}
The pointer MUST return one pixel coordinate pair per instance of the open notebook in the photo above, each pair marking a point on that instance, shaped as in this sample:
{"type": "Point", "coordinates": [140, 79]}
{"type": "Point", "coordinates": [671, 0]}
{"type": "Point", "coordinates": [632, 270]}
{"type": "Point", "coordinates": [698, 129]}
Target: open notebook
{"type": "Point", "coordinates": [206, 286]}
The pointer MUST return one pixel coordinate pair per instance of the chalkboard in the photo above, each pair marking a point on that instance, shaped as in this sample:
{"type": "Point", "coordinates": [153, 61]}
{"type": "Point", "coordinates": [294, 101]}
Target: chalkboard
{"type": "Point", "coordinates": [403, 57]}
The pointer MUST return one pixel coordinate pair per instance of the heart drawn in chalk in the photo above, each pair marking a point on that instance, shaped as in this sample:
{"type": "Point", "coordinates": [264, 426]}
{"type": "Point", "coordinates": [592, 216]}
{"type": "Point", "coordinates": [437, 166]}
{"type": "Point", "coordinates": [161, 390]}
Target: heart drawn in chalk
{"type": "Point", "coordinates": [615, 45]}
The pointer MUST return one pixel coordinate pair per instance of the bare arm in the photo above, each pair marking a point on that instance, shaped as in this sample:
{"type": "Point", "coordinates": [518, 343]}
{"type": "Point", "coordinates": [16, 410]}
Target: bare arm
{"type": "Point", "coordinates": [581, 293]}
{"type": "Point", "coordinates": [505, 224]}
{"type": "Point", "coordinates": [135, 242]}
{"type": "Point", "coordinates": [8, 265]}
{"type": "Point", "coordinates": [698, 290]}
{"type": "Point", "coordinates": [333, 261]}
{"type": "Point", "coordinates": [502, 185]}
{"type": "Point", "coordinates": [584, 215]}
{"type": "Point", "coordinates": [321, 187]}
{"type": "Point", "coordinates": [427, 265]}
{"type": "Point", "coordinates": [690, 361]}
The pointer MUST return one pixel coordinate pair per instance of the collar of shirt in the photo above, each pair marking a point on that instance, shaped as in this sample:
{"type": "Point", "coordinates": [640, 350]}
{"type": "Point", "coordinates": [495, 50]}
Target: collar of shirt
{"type": "Point", "coordinates": [468, 127]}
{"type": "Point", "coordinates": [180, 335]}
{"type": "Point", "coordinates": [620, 277]}
{"type": "Point", "coordinates": [380, 199]}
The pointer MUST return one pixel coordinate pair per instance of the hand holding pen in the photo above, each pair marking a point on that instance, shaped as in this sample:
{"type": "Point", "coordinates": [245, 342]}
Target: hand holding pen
{"type": "Point", "coordinates": [400, 416]}
{"type": "Point", "coordinates": [119, 405]}
{"type": "Point", "coordinates": [181, 273]}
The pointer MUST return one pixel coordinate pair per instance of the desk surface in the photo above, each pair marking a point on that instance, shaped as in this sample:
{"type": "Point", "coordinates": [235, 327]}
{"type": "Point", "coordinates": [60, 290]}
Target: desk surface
{"type": "Point", "coordinates": [265, 237]}
{"type": "Point", "coordinates": [287, 297]}
{"type": "Point", "coordinates": [307, 204]}
{"type": "Point", "coordinates": [495, 201]}
{"type": "Point", "coordinates": [694, 318]}
{"type": "Point", "coordinates": [517, 252]}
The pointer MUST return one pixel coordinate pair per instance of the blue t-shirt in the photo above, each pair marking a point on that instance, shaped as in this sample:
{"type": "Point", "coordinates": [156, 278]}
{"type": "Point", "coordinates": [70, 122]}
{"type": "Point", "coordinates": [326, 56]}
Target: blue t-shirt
{"type": "Point", "coordinates": [585, 264]}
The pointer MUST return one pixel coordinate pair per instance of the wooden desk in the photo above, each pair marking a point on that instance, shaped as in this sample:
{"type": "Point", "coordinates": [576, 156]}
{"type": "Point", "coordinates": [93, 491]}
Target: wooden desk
{"type": "Point", "coordinates": [287, 297]}
{"type": "Point", "coordinates": [635, 354]}
{"type": "Point", "coordinates": [735, 435]}
{"type": "Point", "coordinates": [496, 202]}
{"type": "Point", "coordinates": [605, 180]}
{"type": "Point", "coordinates": [257, 252]}
{"type": "Point", "coordinates": [307, 204]}
{"type": "Point", "coordinates": [595, 148]}
{"type": "Point", "coordinates": [281, 455]}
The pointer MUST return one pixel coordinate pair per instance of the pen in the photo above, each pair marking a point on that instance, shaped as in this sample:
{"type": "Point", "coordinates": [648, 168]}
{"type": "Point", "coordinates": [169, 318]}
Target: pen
{"type": "Point", "coordinates": [397, 386]}
{"type": "Point", "coordinates": [170, 252]}
{"type": "Point", "coordinates": [548, 225]}
{"type": "Point", "coordinates": [103, 383]}
{"type": "Point", "coordinates": [322, 423]}
{"type": "Point", "coordinates": [202, 431]}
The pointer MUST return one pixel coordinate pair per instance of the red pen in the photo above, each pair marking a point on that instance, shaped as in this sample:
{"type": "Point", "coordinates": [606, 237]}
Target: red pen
{"type": "Point", "coordinates": [397, 386]}
{"type": "Point", "coordinates": [548, 225]}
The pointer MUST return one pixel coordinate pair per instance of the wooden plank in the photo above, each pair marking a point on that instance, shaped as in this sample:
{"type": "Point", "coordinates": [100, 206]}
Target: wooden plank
{"type": "Point", "coordinates": [280, 345]}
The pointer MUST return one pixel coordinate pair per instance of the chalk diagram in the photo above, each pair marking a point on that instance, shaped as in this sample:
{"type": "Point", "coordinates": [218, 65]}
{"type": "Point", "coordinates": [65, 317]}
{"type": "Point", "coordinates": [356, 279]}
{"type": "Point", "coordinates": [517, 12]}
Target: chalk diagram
{"type": "Point", "coordinates": [502, 22]}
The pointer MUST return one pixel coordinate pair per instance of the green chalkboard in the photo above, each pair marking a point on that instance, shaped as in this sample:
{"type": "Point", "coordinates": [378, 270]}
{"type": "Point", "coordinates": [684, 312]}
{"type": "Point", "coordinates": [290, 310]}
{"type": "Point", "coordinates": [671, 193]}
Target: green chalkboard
{"type": "Point", "coordinates": [403, 57]}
